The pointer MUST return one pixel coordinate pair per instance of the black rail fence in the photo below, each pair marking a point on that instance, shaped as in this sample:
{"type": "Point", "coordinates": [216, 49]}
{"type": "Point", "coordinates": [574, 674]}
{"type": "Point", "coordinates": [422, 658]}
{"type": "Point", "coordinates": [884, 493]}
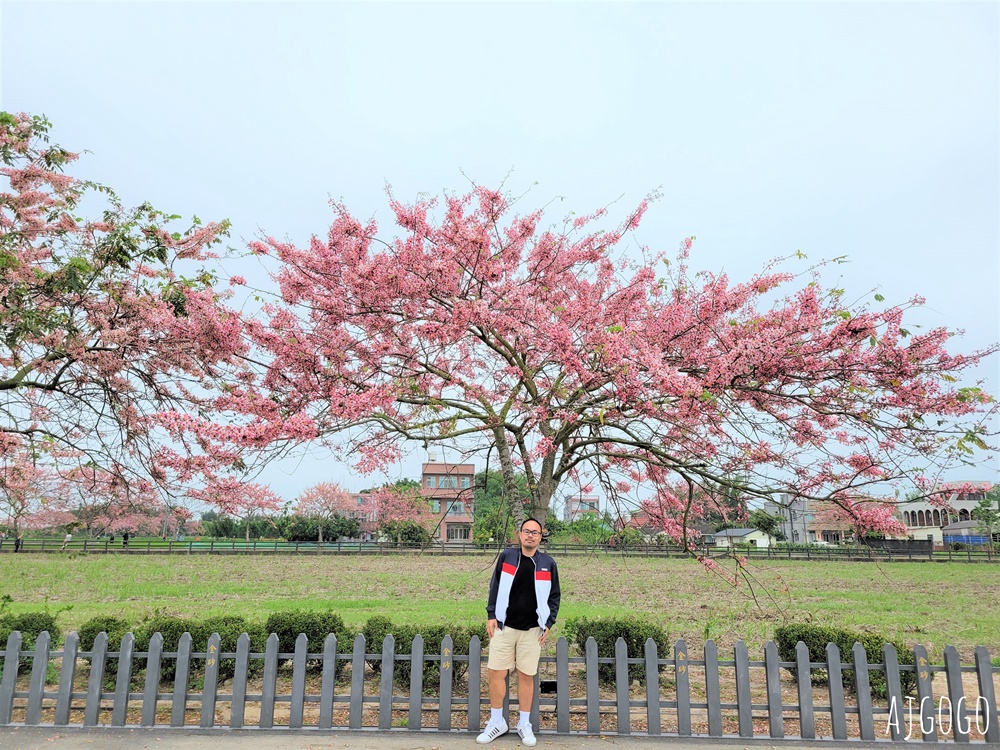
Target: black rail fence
{"type": "Point", "coordinates": [653, 694]}
{"type": "Point", "coordinates": [913, 552]}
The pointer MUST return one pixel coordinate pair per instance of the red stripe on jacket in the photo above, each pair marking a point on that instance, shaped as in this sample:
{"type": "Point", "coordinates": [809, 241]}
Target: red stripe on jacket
{"type": "Point", "coordinates": [543, 575]}
{"type": "Point", "coordinates": [508, 568]}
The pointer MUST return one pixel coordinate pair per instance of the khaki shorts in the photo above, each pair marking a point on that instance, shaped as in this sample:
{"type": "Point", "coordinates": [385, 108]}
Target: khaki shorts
{"type": "Point", "coordinates": [510, 648]}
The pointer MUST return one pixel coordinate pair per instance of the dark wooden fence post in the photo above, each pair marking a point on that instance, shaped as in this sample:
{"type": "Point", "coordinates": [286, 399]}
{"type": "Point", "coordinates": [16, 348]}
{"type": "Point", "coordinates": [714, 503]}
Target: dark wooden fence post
{"type": "Point", "coordinates": [96, 683]}
{"type": "Point", "coordinates": [67, 673]}
{"type": "Point", "coordinates": [444, 691]}
{"type": "Point", "coordinates": [386, 676]}
{"type": "Point", "coordinates": [803, 681]}
{"type": "Point", "coordinates": [151, 688]}
{"type": "Point", "coordinates": [925, 694]}
{"type": "Point", "coordinates": [357, 682]}
{"type": "Point", "coordinates": [990, 724]}
{"type": "Point", "coordinates": [682, 680]}
{"type": "Point", "coordinates": [36, 685]}
{"type": "Point", "coordinates": [652, 670]}
{"type": "Point", "coordinates": [956, 694]}
{"type": "Point", "coordinates": [327, 682]}
{"type": "Point", "coordinates": [178, 708]}
{"type": "Point", "coordinates": [211, 681]}
{"type": "Point", "coordinates": [744, 705]}
{"type": "Point", "coordinates": [866, 719]}
{"type": "Point", "coordinates": [712, 692]}
{"type": "Point", "coordinates": [241, 671]}
{"type": "Point", "coordinates": [11, 662]}
{"type": "Point", "coordinates": [593, 688]}
{"type": "Point", "coordinates": [890, 662]}
{"type": "Point", "coordinates": [562, 686]}
{"type": "Point", "coordinates": [123, 680]}
{"type": "Point", "coordinates": [775, 709]}
{"type": "Point", "coordinates": [475, 683]}
{"type": "Point", "coordinates": [415, 717]}
{"type": "Point", "coordinates": [622, 687]}
{"type": "Point", "coordinates": [838, 712]}
{"type": "Point", "coordinates": [270, 686]}
{"type": "Point", "coordinates": [298, 706]}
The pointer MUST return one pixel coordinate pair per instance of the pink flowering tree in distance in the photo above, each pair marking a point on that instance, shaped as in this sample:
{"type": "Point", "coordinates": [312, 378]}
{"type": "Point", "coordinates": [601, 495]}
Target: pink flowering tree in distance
{"type": "Point", "coordinates": [325, 501]}
{"type": "Point", "coordinates": [111, 333]}
{"type": "Point", "coordinates": [554, 351]}
{"type": "Point", "coordinates": [397, 507]}
{"type": "Point", "coordinates": [243, 500]}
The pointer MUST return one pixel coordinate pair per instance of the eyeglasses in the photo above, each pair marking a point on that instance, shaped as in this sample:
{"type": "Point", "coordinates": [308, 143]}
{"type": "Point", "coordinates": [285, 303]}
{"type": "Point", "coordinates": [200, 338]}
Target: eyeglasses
{"type": "Point", "coordinates": [531, 533]}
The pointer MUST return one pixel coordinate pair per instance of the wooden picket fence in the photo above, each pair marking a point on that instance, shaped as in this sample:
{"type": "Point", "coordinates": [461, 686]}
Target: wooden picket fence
{"type": "Point", "coordinates": [326, 689]}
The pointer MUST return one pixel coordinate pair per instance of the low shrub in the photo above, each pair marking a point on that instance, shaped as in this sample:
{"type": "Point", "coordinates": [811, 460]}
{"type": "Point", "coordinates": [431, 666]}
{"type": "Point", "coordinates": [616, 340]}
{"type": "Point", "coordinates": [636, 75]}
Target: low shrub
{"type": "Point", "coordinates": [171, 628]}
{"type": "Point", "coordinates": [29, 625]}
{"type": "Point", "coordinates": [230, 628]}
{"type": "Point", "coordinates": [377, 628]}
{"type": "Point", "coordinates": [607, 630]}
{"type": "Point", "coordinates": [316, 626]}
{"type": "Point", "coordinates": [115, 627]}
{"type": "Point", "coordinates": [816, 638]}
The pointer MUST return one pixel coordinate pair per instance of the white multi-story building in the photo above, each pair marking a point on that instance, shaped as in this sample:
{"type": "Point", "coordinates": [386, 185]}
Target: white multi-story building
{"type": "Point", "coordinates": [925, 519]}
{"type": "Point", "coordinates": [578, 506]}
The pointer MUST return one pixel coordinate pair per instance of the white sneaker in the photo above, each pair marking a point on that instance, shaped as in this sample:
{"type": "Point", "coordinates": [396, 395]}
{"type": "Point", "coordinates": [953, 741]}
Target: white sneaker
{"type": "Point", "coordinates": [494, 729]}
{"type": "Point", "coordinates": [527, 736]}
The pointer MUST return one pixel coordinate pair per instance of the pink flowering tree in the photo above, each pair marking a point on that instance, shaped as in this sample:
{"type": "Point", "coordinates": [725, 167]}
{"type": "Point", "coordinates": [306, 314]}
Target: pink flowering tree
{"type": "Point", "coordinates": [554, 351]}
{"type": "Point", "coordinates": [324, 502]}
{"type": "Point", "coordinates": [29, 494]}
{"type": "Point", "coordinates": [399, 510]}
{"type": "Point", "coordinates": [112, 331]}
{"type": "Point", "coordinates": [243, 500]}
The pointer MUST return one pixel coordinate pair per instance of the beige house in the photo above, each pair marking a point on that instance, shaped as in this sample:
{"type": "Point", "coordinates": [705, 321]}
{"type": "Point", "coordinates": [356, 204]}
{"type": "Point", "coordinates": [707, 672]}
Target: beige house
{"type": "Point", "coordinates": [449, 489]}
{"type": "Point", "coordinates": [739, 538]}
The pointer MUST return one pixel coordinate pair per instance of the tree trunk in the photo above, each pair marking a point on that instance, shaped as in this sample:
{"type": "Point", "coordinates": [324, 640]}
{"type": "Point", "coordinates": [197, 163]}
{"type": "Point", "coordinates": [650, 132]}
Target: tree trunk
{"type": "Point", "coordinates": [510, 489]}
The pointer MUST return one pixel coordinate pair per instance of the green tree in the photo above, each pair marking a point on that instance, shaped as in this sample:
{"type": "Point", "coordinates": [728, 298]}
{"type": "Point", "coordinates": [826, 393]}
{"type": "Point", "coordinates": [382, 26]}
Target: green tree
{"type": "Point", "coordinates": [987, 513]}
{"type": "Point", "coordinates": [766, 523]}
{"type": "Point", "coordinates": [492, 518]}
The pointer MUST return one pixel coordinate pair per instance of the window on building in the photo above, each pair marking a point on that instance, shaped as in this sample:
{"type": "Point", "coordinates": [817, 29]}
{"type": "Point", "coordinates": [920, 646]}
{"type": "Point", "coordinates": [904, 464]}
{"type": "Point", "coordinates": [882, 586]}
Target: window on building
{"type": "Point", "coordinates": [466, 482]}
{"type": "Point", "coordinates": [429, 482]}
{"type": "Point", "coordinates": [448, 482]}
{"type": "Point", "coordinates": [456, 509]}
{"type": "Point", "coordinates": [435, 506]}
{"type": "Point", "coordinates": [458, 532]}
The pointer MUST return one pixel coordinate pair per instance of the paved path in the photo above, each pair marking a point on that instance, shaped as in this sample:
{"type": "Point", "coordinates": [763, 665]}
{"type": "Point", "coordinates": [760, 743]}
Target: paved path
{"type": "Point", "coordinates": [46, 738]}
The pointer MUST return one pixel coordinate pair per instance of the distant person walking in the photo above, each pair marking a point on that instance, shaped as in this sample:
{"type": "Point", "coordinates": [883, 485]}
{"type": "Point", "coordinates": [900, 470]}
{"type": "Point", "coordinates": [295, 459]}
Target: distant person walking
{"type": "Point", "coordinates": [66, 540]}
{"type": "Point", "coordinates": [125, 540]}
{"type": "Point", "coordinates": [19, 541]}
{"type": "Point", "coordinates": [521, 610]}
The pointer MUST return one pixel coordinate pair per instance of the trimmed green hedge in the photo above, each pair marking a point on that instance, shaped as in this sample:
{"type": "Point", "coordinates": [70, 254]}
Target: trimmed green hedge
{"type": "Point", "coordinates": [607, 630]}
{"type": "Point", "coordinates": [30, 625]}
{"type": "Point", "coordinates": [377, 628]}
{"type": "Point", "coordinates": [816, 637]}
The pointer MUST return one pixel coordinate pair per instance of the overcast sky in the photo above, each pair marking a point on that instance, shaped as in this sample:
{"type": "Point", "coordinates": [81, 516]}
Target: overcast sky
{"type": "Point", "coordinates": [870, 130]}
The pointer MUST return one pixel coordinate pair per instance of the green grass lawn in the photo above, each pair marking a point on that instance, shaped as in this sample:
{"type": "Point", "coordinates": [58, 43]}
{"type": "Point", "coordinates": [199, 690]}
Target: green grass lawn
{"type": "Point", "coordinates": [931, 603]}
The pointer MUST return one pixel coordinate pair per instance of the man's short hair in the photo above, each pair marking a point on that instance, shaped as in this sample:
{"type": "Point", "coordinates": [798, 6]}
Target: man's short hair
{"type": "Point", "coordinates": [529, 518]}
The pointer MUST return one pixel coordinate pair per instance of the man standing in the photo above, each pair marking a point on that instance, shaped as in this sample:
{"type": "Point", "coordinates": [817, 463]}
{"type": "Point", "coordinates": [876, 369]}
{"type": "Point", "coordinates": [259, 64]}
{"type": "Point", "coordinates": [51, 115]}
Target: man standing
{"type": "Point", "coordinates": [520, 611]}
